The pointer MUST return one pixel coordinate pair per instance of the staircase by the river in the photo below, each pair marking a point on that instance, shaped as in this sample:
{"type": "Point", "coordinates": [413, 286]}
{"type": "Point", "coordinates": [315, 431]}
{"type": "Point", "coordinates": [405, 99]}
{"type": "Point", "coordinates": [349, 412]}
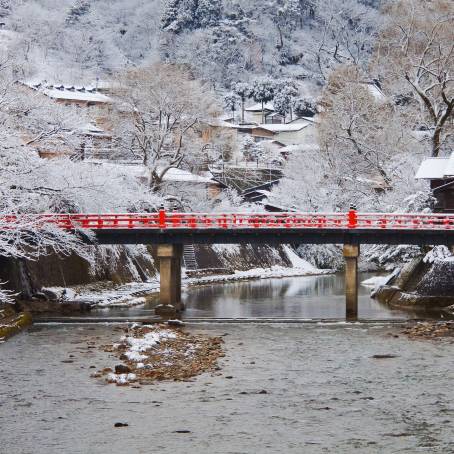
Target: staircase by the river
{"type": "Point", "coordinates": [189, 259]}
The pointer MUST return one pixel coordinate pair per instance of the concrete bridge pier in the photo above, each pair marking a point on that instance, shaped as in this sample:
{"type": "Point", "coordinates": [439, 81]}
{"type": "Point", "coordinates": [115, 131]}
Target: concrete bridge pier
{"type": "Point", "coordinates": [351, 254]}
{"type": "Point", "coordinates": [169, 256]}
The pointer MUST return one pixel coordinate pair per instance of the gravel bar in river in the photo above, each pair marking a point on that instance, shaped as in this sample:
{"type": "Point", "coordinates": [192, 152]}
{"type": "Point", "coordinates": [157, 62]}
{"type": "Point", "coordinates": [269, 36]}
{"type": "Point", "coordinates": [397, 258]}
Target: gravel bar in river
{"type": "Point", "coordinates": [281, 388]}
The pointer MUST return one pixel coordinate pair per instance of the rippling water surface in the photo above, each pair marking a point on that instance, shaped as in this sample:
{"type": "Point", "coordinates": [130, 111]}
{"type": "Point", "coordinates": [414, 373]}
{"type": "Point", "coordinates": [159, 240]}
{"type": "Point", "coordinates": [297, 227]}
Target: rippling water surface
{"type": "Point", "coordinates": [293, 389]}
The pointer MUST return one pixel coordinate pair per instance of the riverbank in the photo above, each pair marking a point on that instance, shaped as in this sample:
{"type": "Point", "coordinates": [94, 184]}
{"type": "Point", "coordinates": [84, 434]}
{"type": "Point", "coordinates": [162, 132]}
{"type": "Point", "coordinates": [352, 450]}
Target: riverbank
{"type": "Point", "coordinates": [306, 388]}
{"type": "Point", "coordinates": [12, 322]}
{"type": "Point", "coordinates": [110, 295]}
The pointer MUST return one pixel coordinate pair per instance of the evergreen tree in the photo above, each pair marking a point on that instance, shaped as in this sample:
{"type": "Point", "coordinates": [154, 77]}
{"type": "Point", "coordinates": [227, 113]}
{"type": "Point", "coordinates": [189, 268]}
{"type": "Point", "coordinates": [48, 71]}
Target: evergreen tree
{"type": "Point", "coordinates": [231, 102]}
{"type": "Point", "coordinates": [285, 14]}
{"type": "Point", "coordinates": [179, 15]}
{"type": "Point", "coordinates": [79, 8]}
{"type": "Point", "coordinates": [209, 13]}
{"type": "Point", "coordinates": [282, 103]}
{"type": "Point", "coordinates": [304, 108]}
{"type": "Point", "coordinates": [243, 90]}
{"type": "Point", "coordinates": [285, 93]}
{"type": "Point", "coordinates": [263, 91]}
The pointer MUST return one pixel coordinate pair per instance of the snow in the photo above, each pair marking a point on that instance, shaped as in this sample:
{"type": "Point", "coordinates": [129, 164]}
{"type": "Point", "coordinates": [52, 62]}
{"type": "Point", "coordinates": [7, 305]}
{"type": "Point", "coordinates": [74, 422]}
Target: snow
{"type": "Point", "coordinates": [438, 253]}
{"type": "Point", "coordinates": [258, 107]}
{"type": "Point", "coordinates": [222, 249]}
{"type": "Point", "coordinates": [449, 171]}
{"type": "Point", "coordinates": [297, 261]}
{"type": "Point", "coordinates": [149, 341]}
{"type": "Point", "coordinates": [91, 128]}
{"type": "Point", "coordinates": [275, 272]}
{"type": "Point", "coordinates": [132, 294]}
{"type": "Point", "coordinates": [290, 127]}
{"type": "Point", "coordinates": [436, 168]}
{"type": "Point", "coordinates": [140, 171]}
{"type": "Point", "coordinates": [121, 379]}
{"type": "Point", "coordinates": [68, 92]}
{"type": "Point", "coordinates": [184, 176]}
{"type": "Point", "coordinates": [376, 281]}
{"type": "Point", "coordinates": [76, 95]}
{"type": "Point", "coordinates": [376, 92]}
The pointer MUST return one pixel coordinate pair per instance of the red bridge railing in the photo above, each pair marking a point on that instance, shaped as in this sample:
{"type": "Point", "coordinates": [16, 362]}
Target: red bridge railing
{"type": "Point", "coordinates": [171, 220]}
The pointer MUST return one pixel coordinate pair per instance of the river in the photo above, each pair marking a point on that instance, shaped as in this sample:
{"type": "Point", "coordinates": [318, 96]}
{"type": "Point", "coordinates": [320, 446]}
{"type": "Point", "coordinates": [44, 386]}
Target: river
{"type": "Point", "coordinates": [304, 297]}
{"type": "Point", "coordinates": [294, 388]}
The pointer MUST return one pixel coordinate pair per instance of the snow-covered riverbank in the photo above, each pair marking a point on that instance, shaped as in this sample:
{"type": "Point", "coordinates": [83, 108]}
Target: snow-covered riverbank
{"type": "Point", "coordinates": [107, 294]}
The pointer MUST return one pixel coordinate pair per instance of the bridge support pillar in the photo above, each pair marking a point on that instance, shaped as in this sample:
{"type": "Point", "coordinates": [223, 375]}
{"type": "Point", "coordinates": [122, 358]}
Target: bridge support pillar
{"type": "Point", "coordinates": [169, 256]}
{"type": "Point", "coordinates": [351, 254]}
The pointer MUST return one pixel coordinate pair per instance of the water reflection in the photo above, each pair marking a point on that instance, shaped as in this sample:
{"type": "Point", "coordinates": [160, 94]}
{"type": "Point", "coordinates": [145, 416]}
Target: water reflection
{"type": "Point", "coordinates": [307, 297]}
{"type": "Point", "coordinates": [296, 297]}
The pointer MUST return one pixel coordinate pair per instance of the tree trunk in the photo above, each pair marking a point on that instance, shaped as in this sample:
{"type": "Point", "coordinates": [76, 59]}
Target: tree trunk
{"type": "Point", "coordinates": [436, 143]}
{"type": "Point", "coordinates": [281, 38]}
{"type": "Point", "coordinates": [242, 110]}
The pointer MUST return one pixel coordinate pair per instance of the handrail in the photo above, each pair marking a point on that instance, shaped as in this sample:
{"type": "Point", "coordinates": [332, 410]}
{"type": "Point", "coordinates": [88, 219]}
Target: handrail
{"type": "Point", "coordinates": [175, 220]}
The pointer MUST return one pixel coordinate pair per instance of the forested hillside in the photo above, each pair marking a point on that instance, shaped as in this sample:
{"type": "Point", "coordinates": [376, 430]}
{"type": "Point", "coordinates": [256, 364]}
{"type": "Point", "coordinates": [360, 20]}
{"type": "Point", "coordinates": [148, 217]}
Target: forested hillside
{"type": "Point", "coordinates": [222, 41]}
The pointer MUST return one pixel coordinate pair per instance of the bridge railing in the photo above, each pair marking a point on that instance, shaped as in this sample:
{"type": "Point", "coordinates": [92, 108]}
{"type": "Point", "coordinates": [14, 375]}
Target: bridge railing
{"type": "Point", "coordinates": [171, 220]}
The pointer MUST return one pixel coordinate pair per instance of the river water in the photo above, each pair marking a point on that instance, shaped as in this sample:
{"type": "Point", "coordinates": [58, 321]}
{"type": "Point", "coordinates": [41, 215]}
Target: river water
{"type": "Point", "coordinates": [305, 297]}
{"type": "Point", "coordinates": [324, 394]}
{"type": "Point", "coordinates": [293, 388]}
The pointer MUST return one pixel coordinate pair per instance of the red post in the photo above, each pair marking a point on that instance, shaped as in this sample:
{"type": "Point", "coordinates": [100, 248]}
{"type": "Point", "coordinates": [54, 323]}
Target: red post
{"type": "Point", "coordinates": [352, 218]}
{"type": "Point", "coordinates": [162, 218]}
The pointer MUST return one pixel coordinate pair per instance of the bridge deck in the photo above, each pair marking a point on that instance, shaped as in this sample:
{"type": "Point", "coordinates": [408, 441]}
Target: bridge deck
{"type": "Point", "coordinates": [274, 236]}
{"type": "Point", "coordinates": [322, 228]}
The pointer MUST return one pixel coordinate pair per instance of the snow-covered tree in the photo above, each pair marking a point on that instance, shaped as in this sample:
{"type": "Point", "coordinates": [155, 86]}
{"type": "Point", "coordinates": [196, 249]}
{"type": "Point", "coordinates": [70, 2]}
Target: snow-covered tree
{"type": "Point", "coordinates": [159, 111]}
{"type": "Point", "coordinates": [209, 13]}
{"type": "Point", "coordinates": [285, 94]}
{"type": "Point", "coordinates": [243, 90]}
{"type": "Point", "coordinates": [346, 33]}
{"type": "Point", "coordinates": [252, 150]}
{"type": "Point", "coordinates": [180, 15]}
{"type": "Point", "coordinates": [232, 102]}
{"type": "Point", "coordinates": [304, 107]}
{"type": "Point", "coordinates": [78, 9]}
{"type": "Point", "coordinates": [415, 57]}
{"type": "Point", "coordinates": [282, 103]}
{"type": "Point", "coordinates": [285, 15]}
{"type": "Point", "coordinates": [263, 91]}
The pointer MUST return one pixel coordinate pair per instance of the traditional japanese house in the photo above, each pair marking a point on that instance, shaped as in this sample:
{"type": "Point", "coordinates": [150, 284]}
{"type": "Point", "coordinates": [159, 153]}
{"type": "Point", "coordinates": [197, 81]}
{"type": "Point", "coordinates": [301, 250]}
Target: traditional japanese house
{"type": "Point", "coordinates": [440, 173]}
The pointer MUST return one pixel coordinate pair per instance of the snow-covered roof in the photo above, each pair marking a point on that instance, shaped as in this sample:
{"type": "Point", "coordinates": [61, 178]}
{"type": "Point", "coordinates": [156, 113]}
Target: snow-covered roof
{"type": "Point", "coordinates": [449, 171]}
{"type": "Point", "coordinates": [140, 171]}
{"type": "Point", "coordinates": [436, 168]}
{"type": "Point", "coordinates": [68, 92]}
{"type": "Point", "coordinates": [289, 127]}
{"type": "Point", "coordinates": [90, 127]}
{"type": "Point", "coordinates": [375, 91]}
{"type": "Point", "coordinates": [258, 107]}
{"type": "Point", "coordinates": [273, 142]}
{"type": "Point", "coordinates": [76, 95]}
{"type": "Point", "coordinates": [184, 176]}
{"type": "Point", "coordinates": [274, 114]}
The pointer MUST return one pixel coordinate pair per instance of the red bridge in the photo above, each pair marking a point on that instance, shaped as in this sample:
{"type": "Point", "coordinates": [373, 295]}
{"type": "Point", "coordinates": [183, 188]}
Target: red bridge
{"type": "Point", "coordinates": [170, 227]}
{"type": "Point", "coordinates": [170, 230]}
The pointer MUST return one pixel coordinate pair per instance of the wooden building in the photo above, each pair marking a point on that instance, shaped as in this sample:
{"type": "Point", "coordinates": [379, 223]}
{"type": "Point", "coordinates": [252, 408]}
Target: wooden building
{"type": "Point", "coordinates": [440, 174]}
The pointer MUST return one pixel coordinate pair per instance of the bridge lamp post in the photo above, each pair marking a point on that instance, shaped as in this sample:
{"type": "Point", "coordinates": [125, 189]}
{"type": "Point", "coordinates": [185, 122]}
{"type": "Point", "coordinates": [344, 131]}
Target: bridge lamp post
{"type": "Point", "coordinates": [351, 254]}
